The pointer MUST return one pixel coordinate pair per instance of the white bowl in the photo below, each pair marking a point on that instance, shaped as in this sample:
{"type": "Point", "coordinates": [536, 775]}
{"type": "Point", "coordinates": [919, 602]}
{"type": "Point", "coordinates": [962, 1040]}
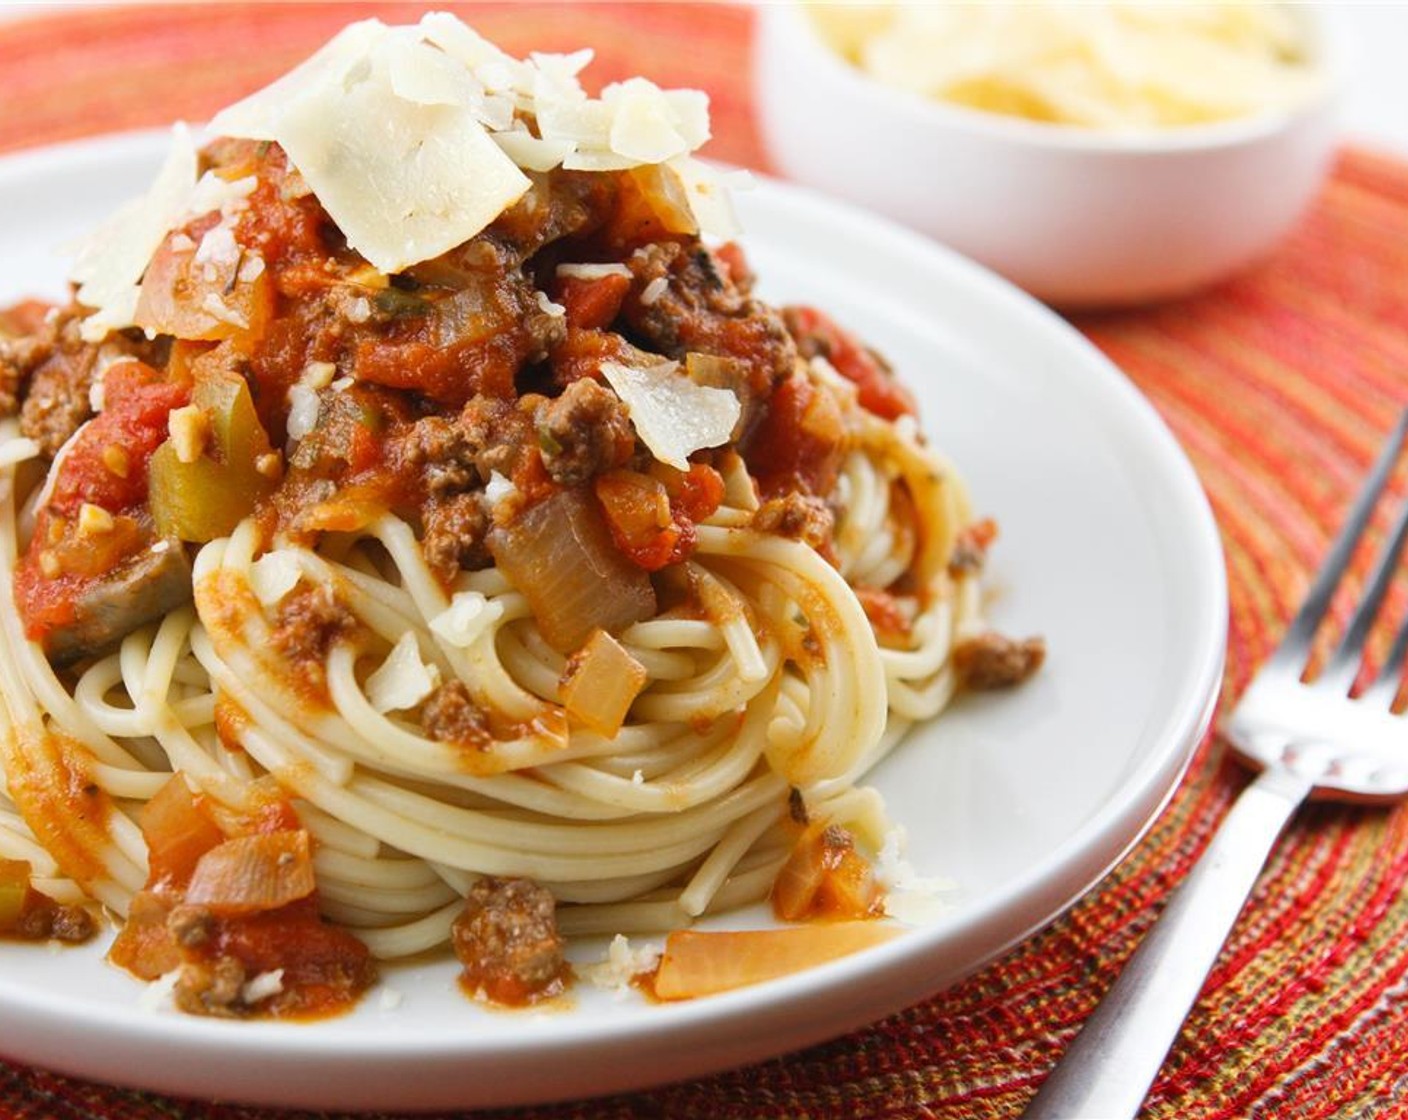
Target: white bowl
{"type": "Point", "coordinates": [1076, 216]}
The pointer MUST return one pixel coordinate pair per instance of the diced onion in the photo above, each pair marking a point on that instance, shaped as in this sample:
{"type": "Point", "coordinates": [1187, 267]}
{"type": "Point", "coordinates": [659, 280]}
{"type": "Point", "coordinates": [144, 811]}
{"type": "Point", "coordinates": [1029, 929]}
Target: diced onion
{"type": "Point", "coordinates": [601, 682]}
{"type": "Point", "coordinates": [698, 963]}
{"type": "Point", "coordinates": [177, 833]}
{"type": "Point", "coordinates": [559, 553]}
{"type": "Point", "coordinates": [254, 873]}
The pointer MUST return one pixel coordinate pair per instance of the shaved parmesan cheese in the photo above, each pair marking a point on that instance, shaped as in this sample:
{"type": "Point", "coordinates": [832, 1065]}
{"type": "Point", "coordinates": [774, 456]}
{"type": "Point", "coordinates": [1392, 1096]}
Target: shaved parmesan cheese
{"type": "Point", "coordinates": [274, 575]}
{"type": "Point", "coordinates": [117, 313]}
{"type": "Point", "coordinates": [709, 197]}
{"type": "Point", "coordinates": [1098, 65]}
{"type": "Point", "coordinates": [584, 123]}
{"type": "Point", "coordinates": [467, 617]}
{"type": "Point", "coordinates": [644, 125]}
{"type": "Point", "coordinates": [110, 264]}
{"type": "Point", "coordinates": [495, 68]}
{"type": "Point", "coordinates": [257, 116]}
{"type": "Point", "coordinates": [403, 680]}
{"type": "Point", "coordinates": [556, 76]}
{"type": "Point", "coordinates": [531, 153]}
{"type": "Point", "coordinates": [438, 177]}
{"type": "Point", "coordinates": [673, 416]}
{"type": "Point", "coordinates": [424, 74]}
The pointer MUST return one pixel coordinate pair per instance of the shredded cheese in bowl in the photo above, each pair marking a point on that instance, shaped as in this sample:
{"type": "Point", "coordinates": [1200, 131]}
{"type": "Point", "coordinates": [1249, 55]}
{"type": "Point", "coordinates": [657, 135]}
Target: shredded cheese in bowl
{"type": "Point", "coordinates": [1115, 65]}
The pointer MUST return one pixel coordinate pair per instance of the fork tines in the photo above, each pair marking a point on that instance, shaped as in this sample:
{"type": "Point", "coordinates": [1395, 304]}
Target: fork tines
{"type": "Point", "coordinates": [1342, 668]}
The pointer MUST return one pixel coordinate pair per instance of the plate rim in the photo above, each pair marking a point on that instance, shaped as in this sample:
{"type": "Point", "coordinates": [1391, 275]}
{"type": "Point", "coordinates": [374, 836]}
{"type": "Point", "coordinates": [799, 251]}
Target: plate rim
{"type": "Point", "coordinates": [1087, 855]}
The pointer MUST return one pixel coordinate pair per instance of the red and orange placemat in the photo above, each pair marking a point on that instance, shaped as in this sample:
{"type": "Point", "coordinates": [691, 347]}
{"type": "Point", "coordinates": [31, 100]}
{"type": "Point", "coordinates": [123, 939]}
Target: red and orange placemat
{"type": "Point", "coordinates": [1279, 385]}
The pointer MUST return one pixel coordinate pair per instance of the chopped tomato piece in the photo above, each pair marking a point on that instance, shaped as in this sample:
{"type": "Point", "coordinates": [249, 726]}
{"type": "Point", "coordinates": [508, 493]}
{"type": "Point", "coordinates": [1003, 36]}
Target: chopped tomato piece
{"type": "Point", "coordinates": [652, 518]}
{"type": "Point", "coordinates": [595, 303]}
{"type": "Point", "coordinates": [799, 443]}
{"type": "Point", "coordinates": [879, 392]}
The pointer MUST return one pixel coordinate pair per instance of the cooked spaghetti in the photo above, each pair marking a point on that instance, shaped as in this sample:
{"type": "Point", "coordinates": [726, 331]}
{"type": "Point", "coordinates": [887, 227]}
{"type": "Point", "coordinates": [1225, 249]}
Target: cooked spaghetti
{"type": "Point", "coordinates": [548, 554]}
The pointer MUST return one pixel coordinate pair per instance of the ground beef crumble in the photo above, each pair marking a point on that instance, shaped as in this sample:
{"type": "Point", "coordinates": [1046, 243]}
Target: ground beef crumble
{"type": "Point", "coordinates": [583, 432]}
{"type": "Point", "coordinates": [455, 535]}
{"type": "Point", "coordinates": [507, 940]}
{"type": "Point", "coordinates": [802, 517]}
{"type": "Point", "coordinates": [308, 623]}
{"type": "Point", "coordinates": [992, 660]}
{"type": "Point", "coordinates": [450, 715]}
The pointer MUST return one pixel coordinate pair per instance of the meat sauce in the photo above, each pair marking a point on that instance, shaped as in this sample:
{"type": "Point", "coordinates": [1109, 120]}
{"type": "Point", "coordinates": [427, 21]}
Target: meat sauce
{"type": "Point", "coordinates": [491, 321]}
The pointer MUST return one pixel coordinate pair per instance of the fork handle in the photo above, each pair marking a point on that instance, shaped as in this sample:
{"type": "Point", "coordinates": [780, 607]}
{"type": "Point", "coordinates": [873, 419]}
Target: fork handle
{"type": "Point", "coordinates": [1106, 1072]}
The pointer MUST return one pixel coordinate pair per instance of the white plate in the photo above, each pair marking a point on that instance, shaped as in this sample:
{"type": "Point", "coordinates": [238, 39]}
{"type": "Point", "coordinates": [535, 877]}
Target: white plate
{"type": "Point", "coordinates": [1025, 799]}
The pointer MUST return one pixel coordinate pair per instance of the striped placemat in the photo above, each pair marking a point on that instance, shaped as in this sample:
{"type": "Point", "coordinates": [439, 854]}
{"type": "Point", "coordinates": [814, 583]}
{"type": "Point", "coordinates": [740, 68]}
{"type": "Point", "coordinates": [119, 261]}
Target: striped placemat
{"type": "Point", "coordinates": [1279, 385]}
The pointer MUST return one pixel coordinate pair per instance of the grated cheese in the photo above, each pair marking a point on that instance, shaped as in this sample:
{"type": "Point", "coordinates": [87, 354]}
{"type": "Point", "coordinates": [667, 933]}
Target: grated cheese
{"type": "Point", "coordinates": [252, 268]}
{"type": "Point", "coordinates": [909, 897]}
{"type": "Point", "coordinates": [264, 986]}
{"type": "Point", "coordinates": [213, 192]}
{"type": "Point", "coordinates": [216, 249]}
{"type": "Point", "coordinates": [498, 488]}
{"type": "Point", "coordinates": [403, 679]}
{"type": "Point", "coordinates": [673, 416]}
{"type": "Point", "coordinates": [217, 308]}
{"type": "Point", "coordinates": [466, 619]}
{"type": "Point", "coordinates": [274, 575]}
{"type": "Point", "coordinates": [303, 409]}
{"type": "Point", "coordinates": [156, 996]}
{"type": "Point", "coordinates": [317, 375]}
{"type": "Point", "coordinates": [622, 964]}
{"type": "Point", "coordinates": [390, 999]}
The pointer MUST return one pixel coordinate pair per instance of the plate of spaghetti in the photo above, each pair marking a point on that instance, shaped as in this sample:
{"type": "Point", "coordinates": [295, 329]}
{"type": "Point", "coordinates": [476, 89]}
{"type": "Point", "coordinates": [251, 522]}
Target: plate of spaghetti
{"type": "Point", "coordinates": [493, 613]}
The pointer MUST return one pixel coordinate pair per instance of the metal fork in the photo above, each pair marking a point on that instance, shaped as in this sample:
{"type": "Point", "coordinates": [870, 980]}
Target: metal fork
{"type": "Point", "coordinates": [1303, 738]}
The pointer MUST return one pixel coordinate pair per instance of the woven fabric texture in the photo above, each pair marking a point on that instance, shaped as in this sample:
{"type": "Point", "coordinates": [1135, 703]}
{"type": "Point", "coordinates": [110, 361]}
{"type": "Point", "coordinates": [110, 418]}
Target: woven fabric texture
{"type": "Point", "coordinates": [1279, 385]}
